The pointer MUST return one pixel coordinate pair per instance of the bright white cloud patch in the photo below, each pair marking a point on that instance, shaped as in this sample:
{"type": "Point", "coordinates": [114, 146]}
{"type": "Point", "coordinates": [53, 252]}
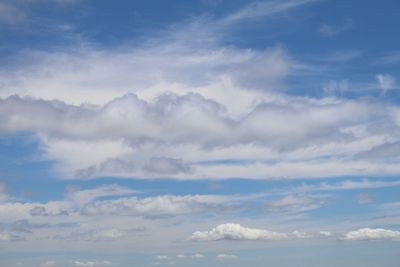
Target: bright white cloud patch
{"type": "Point", "coordinates": [372, 234]}
{"type": "Point", "coordinates": [230, 231]}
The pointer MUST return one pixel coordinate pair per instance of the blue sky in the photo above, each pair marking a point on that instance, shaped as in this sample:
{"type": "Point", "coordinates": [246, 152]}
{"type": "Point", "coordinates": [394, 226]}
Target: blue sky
{"type": "Point", "coordinates": [186, 133]}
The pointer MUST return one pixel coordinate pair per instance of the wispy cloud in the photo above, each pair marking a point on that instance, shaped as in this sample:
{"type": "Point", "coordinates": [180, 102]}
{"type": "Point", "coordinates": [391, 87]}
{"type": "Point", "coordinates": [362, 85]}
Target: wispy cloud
{"type": "Point", "coordinates": [330, 30]}
{"type": "Point", "coordinates": [264, 9]}
{"type": "Point", "coordinates": [349, 185]}
{"type": "Point", "coordinates": [386, 82]}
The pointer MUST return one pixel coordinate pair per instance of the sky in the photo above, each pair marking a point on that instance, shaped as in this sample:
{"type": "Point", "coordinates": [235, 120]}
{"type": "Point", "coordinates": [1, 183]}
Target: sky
{"type": "Point", "coordinates": [199, 132]}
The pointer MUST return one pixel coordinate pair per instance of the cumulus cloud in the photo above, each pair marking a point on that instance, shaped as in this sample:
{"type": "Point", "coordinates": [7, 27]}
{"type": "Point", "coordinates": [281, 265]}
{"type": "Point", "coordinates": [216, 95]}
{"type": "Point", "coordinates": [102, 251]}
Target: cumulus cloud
{"type": "Point", "coordinates": [223, 257]}
{"type": "Point", "coordinates": [230, 231]}
{"type": "Point", "coordinates": [372, 234]}
{"type": "Point", "coordinates": [104, 141]}
{"type": "Point", "coordinates": [184, 107]}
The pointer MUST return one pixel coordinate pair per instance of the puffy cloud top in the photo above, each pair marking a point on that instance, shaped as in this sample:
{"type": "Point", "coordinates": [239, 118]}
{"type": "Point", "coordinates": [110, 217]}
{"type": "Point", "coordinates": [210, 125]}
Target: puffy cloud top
{"type": "Point", "coordinates": [231, 231]}
{"type": "Point", "coordinates": [372, 234]}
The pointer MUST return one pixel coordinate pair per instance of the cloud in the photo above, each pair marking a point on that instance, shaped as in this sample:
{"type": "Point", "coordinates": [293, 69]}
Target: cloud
{"type": "Point", "coordinates": [349, 185]}
{"type": "Point", "coordinates": [4, 236]}
{"type": "Point", "coordinates": [365, 198]}
{"type": "Point", "coordinates": [197, 256]}
{"type": "Point", "coordinates": [333, 30]}
{"type": "Point", "coordinates": [264, 9]}
{"type": "Point", "coordinates": [107, 235]}
{"type": "Point", "coordinates": [82, 197]}
{"type": "Point", "coordinates": [104, 141]}
{"type": "Point", "coordinates": [333, 88]}
{"type": "Point", "coordinates": [386, 82]}
{"type": "Point", "coordinates": [48, 263]}
{"type": "Point", "coordinates": [372, 234]}
{"type": "Point", "coordinates": [223, 257]}
{"type": "Point", "coordinates": [111, 200]}
{"type": "Point", "coordinates": [92, 263]}
{"type": "Point", "coordinates": [3, 193]}
{"type": "Point", "coordinates": [325, 233]}
{"type": "Point", "coordinates": [155, 207]}
{"type": "Point", "coordinates": [162, 257]}
{"type": "Point", "coordinates": [293, 203]}
{"type": "Point", "coordinates": [390, 58]}
{"type": "Point", "coordinates": [180, 256]}
{"type": "Point", "coordinates": [230, 231]}
{"type": "Point", "coordinates": [186, 106]}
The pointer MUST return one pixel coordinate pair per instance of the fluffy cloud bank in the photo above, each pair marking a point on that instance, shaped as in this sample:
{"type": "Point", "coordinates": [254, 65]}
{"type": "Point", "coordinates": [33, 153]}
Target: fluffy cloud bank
{"type": "Point", "coordinates": [372, 234]}
{"type": "Point", "coordinates": [185, 106]}
{"type": "Point", "coordinates": [231, 231]}
{"type": "Point", "coordinates": [193, 137]}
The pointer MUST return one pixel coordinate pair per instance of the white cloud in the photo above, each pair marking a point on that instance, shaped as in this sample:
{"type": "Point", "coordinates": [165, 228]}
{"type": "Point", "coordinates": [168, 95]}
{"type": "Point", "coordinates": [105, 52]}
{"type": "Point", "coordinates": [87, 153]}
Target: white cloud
{"type": "Point", "coordinates": [372, 234]}
{"type": "Point", "coordinates": [325, 233]}
{"type": "Point", "coordinates": [107, 235]}
{"type": "Point", "coordinates": [333, 30]}
{"type": "Point", "coordinates": [180, 256]}
{"type": "Point", "coordinates": [162, 257]}
{"type": "Point", "coordinates": [48, 263]}
{"type": "Point", "coordinates": [157, 149]}
{"type": "Point", "coordinates": [4, 236]}
{"type": "Point", "coordinates": [92, 263]}
{"type": "Point", "coordinates": [223, 257]}
{"type": "Point", "coordinates": [197, 256]}
{"type": "Point", "coordinates": [386, 82]}
{"type": "Point", "coordinates": [349, 185]}
{"type": "Point", "coordinates": [82, 197]}
{"type": "Point", "coordinates": [181, 106]}
{"type": "Point", "coordinates": [293, 203]}
{"type": "Point", "coordinates": [263, 9]}
{"type": "Point", "coordinates": [230, 231]}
